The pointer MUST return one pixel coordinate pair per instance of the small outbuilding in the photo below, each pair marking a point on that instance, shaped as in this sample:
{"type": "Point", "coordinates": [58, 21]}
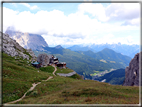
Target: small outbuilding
{"type": "Point", "coordinates": [61, 64]}
{"type": "Point", "coordinates": [36, 64]}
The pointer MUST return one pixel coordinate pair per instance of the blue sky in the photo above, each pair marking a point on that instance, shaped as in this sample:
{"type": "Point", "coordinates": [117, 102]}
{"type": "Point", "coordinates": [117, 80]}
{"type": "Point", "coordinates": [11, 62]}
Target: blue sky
{"type": "Point", "coordinates": [76, 23]}
{"type": "Point", "coordinates": [67, 8]}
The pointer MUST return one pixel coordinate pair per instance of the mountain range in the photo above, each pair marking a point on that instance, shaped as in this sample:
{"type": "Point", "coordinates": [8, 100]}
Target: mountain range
{"type": "Point", "coordinates": [129, 50]}
{"type": "Point", "coordinates": [83, 62]}
{"type": "Point", "coordinates": [37, 42]}
{"type": "Point", "coordinates": [108, 55]}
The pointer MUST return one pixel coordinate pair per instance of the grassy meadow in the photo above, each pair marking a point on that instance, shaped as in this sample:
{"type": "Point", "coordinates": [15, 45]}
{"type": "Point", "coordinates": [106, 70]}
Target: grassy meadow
{"type": "Point", "coordinates": [18, 76]}
{"type": "Point", "coordinates": [65, 71]}
{"type": "Point", "coordinates": [66, 90]}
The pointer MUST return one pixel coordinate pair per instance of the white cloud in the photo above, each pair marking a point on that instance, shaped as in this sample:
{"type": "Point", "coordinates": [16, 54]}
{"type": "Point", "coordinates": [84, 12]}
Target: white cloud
{"type": "Point", "coordinates": [31, 7]}
{"type": "Point", "coordinates": [111, 39]}
{"type": "Point", "coordinates": [95, 9]}
{"type": "Point", "coordinates": [135, 22]}
{"type": "Point", "coordinates": [34, 7]}
{"type": "Point", "coordinates": [9, 17]}
{"type": "Point", "coordinates": [129, 13]}
{"type": "Point", "coordinates": [77, 28]}
{"type": "Point", "coordinates": [14, 4]}
{"type": "Point", "coordinates": [112, 12]}
{"type": "Point", "coordinates": [26, 4]}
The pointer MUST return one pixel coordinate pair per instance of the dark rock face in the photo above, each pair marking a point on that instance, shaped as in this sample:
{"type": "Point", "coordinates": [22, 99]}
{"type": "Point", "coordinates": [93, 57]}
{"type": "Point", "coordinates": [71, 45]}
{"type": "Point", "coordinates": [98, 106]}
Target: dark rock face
{"type": "Point", "coordinates": [82, 76]}
{"type": "Point", "coordinates": [43, 59]}
{"type": "Point", "coordinates": [132, 72]}
{"type": "Point", "coordinates": [27, 40]}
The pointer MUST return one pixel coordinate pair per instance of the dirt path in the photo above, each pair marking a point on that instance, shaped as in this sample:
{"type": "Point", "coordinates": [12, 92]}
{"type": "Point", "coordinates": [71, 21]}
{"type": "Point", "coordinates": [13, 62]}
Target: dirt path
{"type": "Point", "coordinates": [54, 70]}
{"type": "Point", "coordinates": [34, 85]}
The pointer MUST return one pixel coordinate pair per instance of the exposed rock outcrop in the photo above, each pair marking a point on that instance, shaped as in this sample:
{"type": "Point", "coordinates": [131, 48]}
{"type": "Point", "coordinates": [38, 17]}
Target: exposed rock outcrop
{"type": "Point", "coordinates": [67, 75]}
{"type": "Point", "coordinates": [12, 48]}
{"type": "Point", "coordinates": [34, 58]}
{"type": "Point", "coordinates": [43, 59]}
{"type": "Point", "coordinates": [27, 40]}
{"type": "Point", "coordinates": [81, 76]}
{"type": "Point", "coordinates": [132, 72]}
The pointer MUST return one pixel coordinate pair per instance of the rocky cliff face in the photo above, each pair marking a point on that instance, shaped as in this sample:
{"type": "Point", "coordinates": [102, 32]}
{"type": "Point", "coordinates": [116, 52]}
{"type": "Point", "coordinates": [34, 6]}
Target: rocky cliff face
{"type": "Point", "coordinates": [132, 72]}
{"type": "Point", "coordinates": [12, 48]}
{"type": "Point", "coordinates": [27, 40]}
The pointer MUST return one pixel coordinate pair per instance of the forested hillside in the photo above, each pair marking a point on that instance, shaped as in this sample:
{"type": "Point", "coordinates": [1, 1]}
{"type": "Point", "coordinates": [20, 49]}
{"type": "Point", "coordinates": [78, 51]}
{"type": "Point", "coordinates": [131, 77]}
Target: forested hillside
{"type": "Point", "coordinates": [115, 77]}
{"type": "Point", "coordinates": [82, 64]}
{"type": "Point", "coordinates": [108, 55]}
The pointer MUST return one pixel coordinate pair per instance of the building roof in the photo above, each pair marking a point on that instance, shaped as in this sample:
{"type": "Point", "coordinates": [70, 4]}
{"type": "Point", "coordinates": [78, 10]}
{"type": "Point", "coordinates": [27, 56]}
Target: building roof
{"type": "Point", "coordinates": [61, 63]}
{"type": "Point", "coordinates": [35, 62]}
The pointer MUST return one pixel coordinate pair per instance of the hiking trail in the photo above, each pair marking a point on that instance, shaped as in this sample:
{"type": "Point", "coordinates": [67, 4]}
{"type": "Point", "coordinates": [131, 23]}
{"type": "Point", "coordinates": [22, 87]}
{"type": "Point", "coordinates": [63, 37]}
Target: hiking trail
{"type": "Point", "coordinates": [33, 87]}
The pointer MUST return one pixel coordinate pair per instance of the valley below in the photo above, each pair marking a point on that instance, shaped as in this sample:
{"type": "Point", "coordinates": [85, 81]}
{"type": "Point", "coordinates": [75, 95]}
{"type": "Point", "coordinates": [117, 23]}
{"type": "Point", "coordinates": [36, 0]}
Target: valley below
{"type": "Point", "coordinates": [91, 66]}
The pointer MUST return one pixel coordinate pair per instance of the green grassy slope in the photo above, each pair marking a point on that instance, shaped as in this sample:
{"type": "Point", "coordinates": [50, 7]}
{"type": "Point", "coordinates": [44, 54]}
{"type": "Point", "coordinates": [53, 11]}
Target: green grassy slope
{"type": "Point", "coordinates": [66, 90]}
{"type": "Point", "coordinates": [85, 64]}
{"type": "Point", "coordinates": [18, 78]}
{"type": "Point", "coordinates": [65, 71]}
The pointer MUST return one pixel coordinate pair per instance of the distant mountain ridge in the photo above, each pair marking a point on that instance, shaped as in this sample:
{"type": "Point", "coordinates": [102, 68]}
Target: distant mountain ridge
{"type": "Point", "coordinates": [79, 48]}
{"type": "Point", "coordinates": [59, 47]}
{"type": "Point", "coordinates": [27, 40]}
{"type": "Point", "coordinates": [81, 63]}
{"type": "Point", "coordinates": [129, 50]}
{"type": "Point", "coordinates": [108, 55]}
{"type": "Point", "coordinates": [37, 42]}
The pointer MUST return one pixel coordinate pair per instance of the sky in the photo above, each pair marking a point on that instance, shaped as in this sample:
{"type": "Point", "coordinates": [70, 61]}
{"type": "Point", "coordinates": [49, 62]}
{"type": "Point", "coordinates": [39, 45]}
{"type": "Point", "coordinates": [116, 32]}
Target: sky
{"type": "Point", "coordinates": [76, 23]}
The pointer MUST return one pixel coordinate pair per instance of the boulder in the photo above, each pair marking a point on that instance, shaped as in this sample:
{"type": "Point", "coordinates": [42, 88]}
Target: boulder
{"type": "Point", "coordinates": [43, 59]}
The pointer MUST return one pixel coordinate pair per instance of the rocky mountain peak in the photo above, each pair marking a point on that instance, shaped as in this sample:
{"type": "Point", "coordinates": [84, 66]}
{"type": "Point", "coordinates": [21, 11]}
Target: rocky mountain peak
{"type": "Point", "coordinates": [132, 72]}
{"type": "Point", "coordinates": [27, 40]}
